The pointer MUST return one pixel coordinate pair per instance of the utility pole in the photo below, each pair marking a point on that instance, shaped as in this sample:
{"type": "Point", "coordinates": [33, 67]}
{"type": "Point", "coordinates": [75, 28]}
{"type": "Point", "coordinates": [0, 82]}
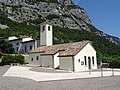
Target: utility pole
{"type": "Point", "coordinates": [101, 68]}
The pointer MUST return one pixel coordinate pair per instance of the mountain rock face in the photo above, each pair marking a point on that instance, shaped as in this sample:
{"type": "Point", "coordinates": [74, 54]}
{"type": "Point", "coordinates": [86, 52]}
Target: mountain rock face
{"type": "Point", "coordinates": [62, 13]}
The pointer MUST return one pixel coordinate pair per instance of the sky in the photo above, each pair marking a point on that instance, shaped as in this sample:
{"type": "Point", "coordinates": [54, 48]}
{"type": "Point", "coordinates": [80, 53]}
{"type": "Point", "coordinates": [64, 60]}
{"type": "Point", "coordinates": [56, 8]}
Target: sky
{"type": "Point", "coordinates": [104, 14]}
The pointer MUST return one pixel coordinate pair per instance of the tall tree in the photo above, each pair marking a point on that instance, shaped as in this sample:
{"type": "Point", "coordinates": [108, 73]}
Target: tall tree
{"type": "Point", "coordinates": [6, 47]}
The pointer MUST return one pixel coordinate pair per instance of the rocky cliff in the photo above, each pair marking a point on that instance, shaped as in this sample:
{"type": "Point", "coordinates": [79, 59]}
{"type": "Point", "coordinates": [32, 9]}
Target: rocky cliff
{"type": "Point", "coordinates": [62, 13]}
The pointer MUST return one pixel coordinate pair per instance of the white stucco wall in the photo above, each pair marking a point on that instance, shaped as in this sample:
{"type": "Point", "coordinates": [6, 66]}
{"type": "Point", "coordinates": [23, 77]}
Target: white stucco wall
{"type": "Point", "coordinates": [44, 60]}
{"type": "Point", "coordinates": [35, 62]}
{"type": "Point", "coordinates": [27, 44]}
{"type": "Point", "coordinates": [46, 35]}
{"type": "Point", "coordinates": [87, 51]}
{"type": "Point", "coordinates": [47, 61]}
{"type": "Point", "coordinates": [49, 36]}
{"type": "Point", "coordinates": [56, 60]}
{"type": "Point", "coordinates": [66, 63]}
{"type": "Point", "coordinates": [15, 44]}
{"type": "Point", "coordinates": [42, 36]}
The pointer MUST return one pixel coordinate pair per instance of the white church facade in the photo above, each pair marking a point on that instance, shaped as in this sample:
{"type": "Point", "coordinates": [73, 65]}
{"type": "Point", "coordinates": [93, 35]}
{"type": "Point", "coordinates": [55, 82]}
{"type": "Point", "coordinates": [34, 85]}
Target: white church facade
{"type": "Point", "coordinates": [78, 56]}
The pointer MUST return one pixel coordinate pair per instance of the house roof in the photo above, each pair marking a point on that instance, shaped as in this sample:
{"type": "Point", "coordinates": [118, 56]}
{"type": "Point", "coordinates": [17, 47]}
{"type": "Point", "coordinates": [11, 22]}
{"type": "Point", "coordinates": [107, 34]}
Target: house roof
{"type": "Point", "coordinates": [44, 23]}
{"type": "Point", "coordinates": [28, 41]}
{"type": "Point", "coordinates": [68, 49]}
{"type": "Point", "coordinates": [15, 40]}
{"type": "Point", "coordinates": [12, 38]}
{"type": "Point", "coordinates": [23, 39]}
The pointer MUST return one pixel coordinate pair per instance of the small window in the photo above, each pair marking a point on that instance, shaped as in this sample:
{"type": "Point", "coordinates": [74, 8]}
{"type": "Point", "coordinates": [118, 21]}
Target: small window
{"type": "Point", "coordinates": [30, 47]}
{"type": "Point", "coordinates": [25, 48]}
{"type": "Point", "coordinates": [82, 63]}
{"type": "Point", "coordinates": [31, 59]}
{"type": "Point", "coordinates": [17, 48]}
{"type": "Point", "coordinates": [37, 58]}
{"type": "Point", "coordinates": [79, 60]}
{"type": "Point", "coordinates": [93, 60]}
{"type": "Point", "coordinates": [85, 60]}
{"type": "Point", "coordinates": [48, 28]}
{"type": "Point", "coordinates": [43, 28]}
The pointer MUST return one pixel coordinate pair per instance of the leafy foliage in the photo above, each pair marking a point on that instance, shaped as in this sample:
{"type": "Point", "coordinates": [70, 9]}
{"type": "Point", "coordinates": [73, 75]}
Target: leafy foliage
{"type": "Point", "coordinates": [12, 59]}
{"type": "Point", "coordinates": [6, 47]}
{"type": "Point", "coordinates": [16, 29]}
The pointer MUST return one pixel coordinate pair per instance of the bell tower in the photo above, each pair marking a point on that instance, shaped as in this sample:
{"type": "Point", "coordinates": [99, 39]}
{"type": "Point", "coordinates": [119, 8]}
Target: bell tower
{"type": "Point", "coordinates": [46, 37]}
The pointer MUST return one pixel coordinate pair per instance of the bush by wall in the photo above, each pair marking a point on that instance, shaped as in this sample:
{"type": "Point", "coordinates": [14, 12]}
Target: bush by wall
{"type": "Point", "coordinates": [7, 59]}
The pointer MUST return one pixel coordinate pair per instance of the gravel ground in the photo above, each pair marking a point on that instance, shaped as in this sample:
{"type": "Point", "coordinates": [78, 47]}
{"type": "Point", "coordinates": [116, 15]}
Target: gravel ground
{"type": "Point", "coordinates": [105, 83]}
{"type": "Point", "coordinates": [3, 69]}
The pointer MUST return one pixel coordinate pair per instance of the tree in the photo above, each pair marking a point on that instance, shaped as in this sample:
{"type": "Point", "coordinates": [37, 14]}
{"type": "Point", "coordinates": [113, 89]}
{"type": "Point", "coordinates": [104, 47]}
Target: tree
{"type": "Point", "coordinates": [6, 47]}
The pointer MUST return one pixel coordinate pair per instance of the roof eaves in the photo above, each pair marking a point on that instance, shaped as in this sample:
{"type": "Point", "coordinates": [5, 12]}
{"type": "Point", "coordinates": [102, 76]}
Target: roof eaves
{"type": "Point", "coordinates": [46, 54]}
{"type": "Point", "coordinates": [15, 39]}
{"type": "Point", "coordinates": [28, 41]}
{"type": "Point", "coordinates": [36, 52]}
{"type": "Point", "coordinates": [65, 55]}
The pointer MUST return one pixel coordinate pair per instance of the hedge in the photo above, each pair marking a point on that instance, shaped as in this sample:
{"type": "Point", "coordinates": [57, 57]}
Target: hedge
{"type": "Point", "coordinates": [7, 59]}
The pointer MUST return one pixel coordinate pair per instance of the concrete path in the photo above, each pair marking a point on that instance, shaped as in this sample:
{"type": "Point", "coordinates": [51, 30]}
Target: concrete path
{"type": "Point", "coordinates": [25, 72]}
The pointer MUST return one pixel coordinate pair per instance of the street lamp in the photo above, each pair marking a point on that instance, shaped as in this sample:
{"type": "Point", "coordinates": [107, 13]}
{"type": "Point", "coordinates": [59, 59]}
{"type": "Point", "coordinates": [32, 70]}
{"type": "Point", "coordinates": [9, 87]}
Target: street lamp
{"type": "Point", "coordinates": [101, 68]}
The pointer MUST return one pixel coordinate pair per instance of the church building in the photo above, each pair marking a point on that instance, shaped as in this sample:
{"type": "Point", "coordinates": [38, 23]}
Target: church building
{"type": "Point", "coordinates": [77, 56]}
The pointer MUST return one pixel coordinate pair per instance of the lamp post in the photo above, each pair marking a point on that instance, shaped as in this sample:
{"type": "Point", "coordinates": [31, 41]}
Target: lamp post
{"type": "Point", "coordinates": [112, 68]}
{"type": "Point", "coordinates": [112, 72]}
{"type": "Point", "coordinates": [101, 68]}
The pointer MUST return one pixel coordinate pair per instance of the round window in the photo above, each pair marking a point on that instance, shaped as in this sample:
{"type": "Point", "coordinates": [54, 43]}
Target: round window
{"type": "Point", "coordinates": [82, 63]}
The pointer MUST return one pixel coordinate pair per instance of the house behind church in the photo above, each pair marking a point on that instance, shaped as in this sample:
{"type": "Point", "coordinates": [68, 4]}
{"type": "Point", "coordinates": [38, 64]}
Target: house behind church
{"type": "Point", "coordinates": [23, 44]}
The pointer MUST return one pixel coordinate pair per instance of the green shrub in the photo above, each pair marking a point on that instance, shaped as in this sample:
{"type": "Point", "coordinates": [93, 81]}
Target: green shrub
{"type": "Point", "coordinates": [7, 59]}
{"type": "Point", "coordinates": [114, 64]}
{"type": "Point", "coordinates": [6, 47]}
{"type": "Point", "coordinates": [19, 59]}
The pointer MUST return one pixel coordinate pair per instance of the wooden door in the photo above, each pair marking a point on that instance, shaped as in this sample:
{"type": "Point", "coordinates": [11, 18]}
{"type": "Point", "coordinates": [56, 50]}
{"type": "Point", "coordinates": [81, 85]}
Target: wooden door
{"type": "Point", "coordinates": [89, 63]}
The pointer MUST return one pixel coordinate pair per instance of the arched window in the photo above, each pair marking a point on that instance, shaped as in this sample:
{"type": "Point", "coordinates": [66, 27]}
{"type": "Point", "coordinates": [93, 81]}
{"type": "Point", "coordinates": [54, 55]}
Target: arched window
{"type": "Point", "coordinates": [31, 59]}
{"type": "Point", "coordinates": [43, 28]}
{"type": "Point", "coordinates": [93, 60]}
{"type": "Point", "coordinates": [48, 28]}
{"type": "Point", "coordinates": [85, 60]}
{"type": "Point", "coordinates": [37, 58]}
{"type": "Point", "coordinates": [30, 47]}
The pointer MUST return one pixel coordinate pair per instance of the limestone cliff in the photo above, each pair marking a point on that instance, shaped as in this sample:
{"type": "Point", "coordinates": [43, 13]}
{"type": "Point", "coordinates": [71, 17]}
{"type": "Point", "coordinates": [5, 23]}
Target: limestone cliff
{"type": "Point", "coordinates": [62, 13]}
